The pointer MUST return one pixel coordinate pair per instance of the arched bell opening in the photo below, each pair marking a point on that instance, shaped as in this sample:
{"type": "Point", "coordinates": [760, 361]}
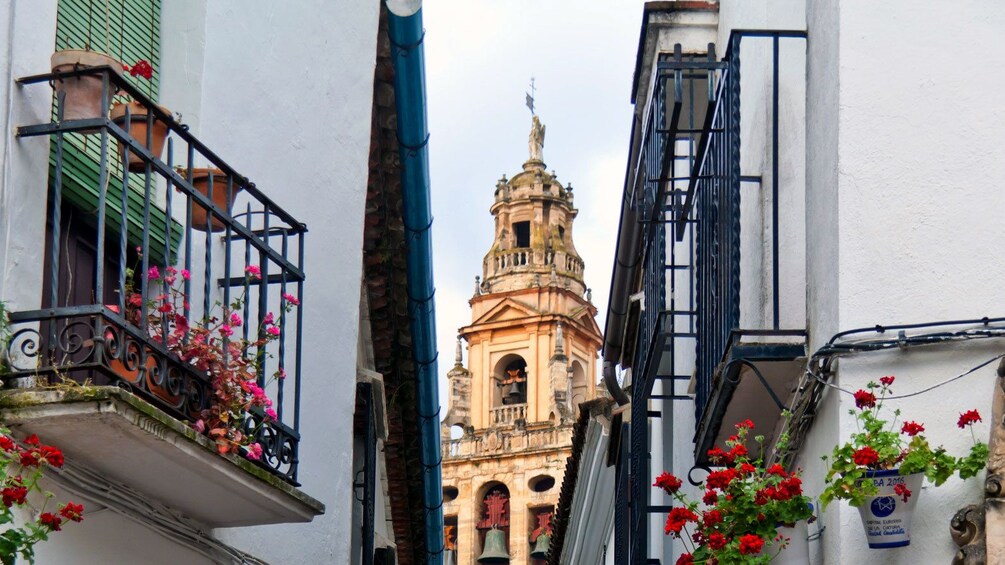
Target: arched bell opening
{"type": "Point", "coordinates": [511, 380]}
{"type": "Point", "coordinates": [493, 524]}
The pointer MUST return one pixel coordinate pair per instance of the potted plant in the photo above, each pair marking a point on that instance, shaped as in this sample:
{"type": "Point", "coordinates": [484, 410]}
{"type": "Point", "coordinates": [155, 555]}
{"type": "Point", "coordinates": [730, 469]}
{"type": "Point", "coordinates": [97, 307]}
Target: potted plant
{"type": "Point", "coordinates": [881, 468]}
{"type": "Point", "coordinates": [212, 346]}
{"type": "Point", "coordinates": [200, 181]}
{"type": "Point", "coordinates": [744, 507]}
{"type": "Point", "coordinates": [82, 95]}
{"type": "Point", "coordinates": [21, 468]}
{"type": "Point", "coordinates": [139, 120]}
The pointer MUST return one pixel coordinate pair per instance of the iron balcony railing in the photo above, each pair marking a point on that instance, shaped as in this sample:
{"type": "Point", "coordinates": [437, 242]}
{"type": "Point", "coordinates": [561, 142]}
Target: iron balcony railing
{"type": "Point", "coordinates": [87, 336]}
{"type": "Point", "coordinates": [687, 197]}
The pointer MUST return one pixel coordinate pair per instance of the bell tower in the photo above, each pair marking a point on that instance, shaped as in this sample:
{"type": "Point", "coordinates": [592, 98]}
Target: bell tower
{"type": "Point", "coordinates": [532, 351]}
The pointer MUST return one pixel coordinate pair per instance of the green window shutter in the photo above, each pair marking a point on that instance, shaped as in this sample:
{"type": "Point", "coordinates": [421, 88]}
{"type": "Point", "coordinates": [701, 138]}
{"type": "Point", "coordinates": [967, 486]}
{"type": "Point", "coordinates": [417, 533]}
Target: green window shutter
{"type": "Point", "coordinates": [128, 30]}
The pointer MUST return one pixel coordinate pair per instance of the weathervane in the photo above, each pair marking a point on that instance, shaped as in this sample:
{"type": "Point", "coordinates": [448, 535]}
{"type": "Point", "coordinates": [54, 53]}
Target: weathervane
{"type": "Point", "coordinates": [530, 96]}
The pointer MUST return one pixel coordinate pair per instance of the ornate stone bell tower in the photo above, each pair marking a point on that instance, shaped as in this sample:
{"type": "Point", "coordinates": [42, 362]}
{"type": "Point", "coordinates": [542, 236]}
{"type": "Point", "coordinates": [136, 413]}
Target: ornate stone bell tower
{"type": "Point", "coordinates": [532, 352]}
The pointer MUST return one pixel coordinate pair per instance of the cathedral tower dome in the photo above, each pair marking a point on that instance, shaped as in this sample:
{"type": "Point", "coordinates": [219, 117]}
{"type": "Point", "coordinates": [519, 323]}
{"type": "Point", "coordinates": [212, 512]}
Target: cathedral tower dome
{"type": "Point", "coordinates": [533, 229]}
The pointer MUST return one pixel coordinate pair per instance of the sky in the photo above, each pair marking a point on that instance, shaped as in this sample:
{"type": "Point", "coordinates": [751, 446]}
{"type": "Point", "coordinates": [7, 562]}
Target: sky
{"type": "Point", "coordinates": [480, 57]}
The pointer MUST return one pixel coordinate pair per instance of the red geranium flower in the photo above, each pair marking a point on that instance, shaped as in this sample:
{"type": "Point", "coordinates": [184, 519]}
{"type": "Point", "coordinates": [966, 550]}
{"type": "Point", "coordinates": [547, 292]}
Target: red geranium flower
{"type": "Point", "coordinates": [968, 418]}
{"type": "Point", "coordinates": [710, 497]}
{"type": "Point", "coordinates": [7, 444]}
{"type": "Point", "coordinates": [865, 456]}
{"type": "Point", "coordinates": [678, 518]}
{"type": "Point", "coordinates": [887, 380]}
{"type": "Point", "coordinates": [668, 483]}
{"type": "Point", "coordinates": [32, 440]}
{"type": "Point", "coordinates": [52, 455]}
{"type": "Point", "coordinates": [711, 517]}
{"type": "Point", "coordinates": [865, 399]}
{"type": "Point", "coordinates": [143, 69]}
{"type": "Point", "coordinates": [718, 456]}
{"type": "Point", "coordinates": [721, 479]}
{"type": "Point", "coordinates": [750, 544]}
{"type": "Point", "coordinates": [50, 520]}
{"type": "Point", "coordinates": [903, 491]}
{"type": "Point", "coordinates": [72, 511]}
{"type": "Point", "coordinates": [685, 559]}
{"type": "Point", "coordinates": [14, 495]}
{"type": "Point", "coordinates": [776, 469]}
{"type": "Point", "coordinates": [717, 540]}
{"type": "Point", "coordinates": [748, 424]}
{"type": "Point", "coordinates": [912, 428]}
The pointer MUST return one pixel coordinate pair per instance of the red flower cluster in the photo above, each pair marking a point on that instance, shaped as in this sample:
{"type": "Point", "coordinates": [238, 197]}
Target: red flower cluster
{"type": "Point", "coordinates": [969, 418]}
{"type": "Point", "coordinates": [887, 380]}
{"type": "Point", "coordinates": [15, 493]}
{"type": "Point", "coordinates": [750, 544]}
{"type": "Point", "coordinates": [142, 68]}
{"type": "Point", "coordinates": [912, 428]}
{"type": "Point", "coordinates": [865, 399]}
{"type": "Point", "coordinates": [72, 512]}
{"type": "Point", "coordinates": [51, 521]}
{"type": "Point", "coordinates": [865, 456]}
{"type": "Point", "coordinates": [902, 491]}
{"type": "Point", "coordinates": [668, 483]}
{"type": "Point", "coordinates": [747, 424]}
{"type": "Point", "coordinates": [721, 479]}
{"type": "Point", "coordinates": [678, 518]}
{"type": "Point", "coordinates": [685, 559]}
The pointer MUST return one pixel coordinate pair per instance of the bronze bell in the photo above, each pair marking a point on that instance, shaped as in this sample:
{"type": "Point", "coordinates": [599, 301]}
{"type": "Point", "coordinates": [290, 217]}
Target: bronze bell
{"type": "Point", "coordinates": [495, 548]}
{"type": "Point", "coordinates": [541, 547]}
{"type": "Point", "coordinates": [513, 395]}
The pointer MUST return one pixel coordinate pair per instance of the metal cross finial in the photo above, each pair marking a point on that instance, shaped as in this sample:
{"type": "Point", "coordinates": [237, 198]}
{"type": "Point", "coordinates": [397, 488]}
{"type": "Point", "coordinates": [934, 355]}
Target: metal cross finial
{"type": "Point", "coordinates": [530, 96]}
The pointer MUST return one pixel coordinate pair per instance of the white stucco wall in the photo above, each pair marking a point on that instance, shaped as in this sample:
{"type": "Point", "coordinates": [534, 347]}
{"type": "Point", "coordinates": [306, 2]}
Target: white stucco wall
{"type": "Point", "coordinates": [27, 40]}
{"type": "Point", "coordinates": [914, 145]}
{"type": "Point", "coordinates": [28, 37]}
{"type": "Point", "coordinates": [286, 100]}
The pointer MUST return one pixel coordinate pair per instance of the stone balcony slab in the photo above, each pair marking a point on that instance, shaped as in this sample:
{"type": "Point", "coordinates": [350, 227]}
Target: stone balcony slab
{"type": "Point", "coordinates": [128, 440]}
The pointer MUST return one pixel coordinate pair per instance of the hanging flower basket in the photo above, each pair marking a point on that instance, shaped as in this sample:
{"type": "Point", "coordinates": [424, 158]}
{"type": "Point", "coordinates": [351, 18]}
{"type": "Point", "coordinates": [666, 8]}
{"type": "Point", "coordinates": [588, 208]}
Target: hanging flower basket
{"type": "Point", "coordinates": [886, 516]}
{"type": "Point", "coordinates": [82, 94]}
{"type": "Point", "coordinates": [792, 545]}
{"type": "Point", "coordinates": [138, 121]}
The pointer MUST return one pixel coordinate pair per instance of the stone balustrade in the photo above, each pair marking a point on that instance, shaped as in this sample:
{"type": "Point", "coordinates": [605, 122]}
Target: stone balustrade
{"type": "Point", "coordinates": [492, 442]}
{"type": "Point", "coordinates": [508, 415]}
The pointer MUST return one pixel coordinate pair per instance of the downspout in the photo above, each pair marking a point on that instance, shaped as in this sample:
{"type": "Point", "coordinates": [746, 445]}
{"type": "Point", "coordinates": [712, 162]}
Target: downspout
{"type": "Point", "coordinates": [406, 34]}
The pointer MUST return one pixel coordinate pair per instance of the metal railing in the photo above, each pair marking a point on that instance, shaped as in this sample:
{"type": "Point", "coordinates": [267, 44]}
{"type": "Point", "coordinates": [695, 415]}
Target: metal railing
{"type": "Point", "coordinates": [247, 264]}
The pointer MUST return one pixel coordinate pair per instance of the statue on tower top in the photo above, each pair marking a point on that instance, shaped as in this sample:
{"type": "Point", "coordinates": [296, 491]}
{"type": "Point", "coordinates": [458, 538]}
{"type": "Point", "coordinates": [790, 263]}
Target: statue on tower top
{"type": "Point", "coordinates": [536, 140]}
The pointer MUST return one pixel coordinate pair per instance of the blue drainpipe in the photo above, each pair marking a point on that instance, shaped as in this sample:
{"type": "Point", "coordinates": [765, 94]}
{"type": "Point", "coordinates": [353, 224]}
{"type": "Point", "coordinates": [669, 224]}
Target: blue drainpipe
{"type": "Point", "coordinates": [406, 34]}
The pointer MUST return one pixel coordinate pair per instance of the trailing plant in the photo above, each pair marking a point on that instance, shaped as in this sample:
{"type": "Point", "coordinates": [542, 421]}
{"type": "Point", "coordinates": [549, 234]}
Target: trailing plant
{"type": "Point", "coordinates": [22, 466]}
{"type": "Point", "coordinates": [881, 445]}
{"type": "Point", "coordinates": [213, 345]}
{"type": "Point", "coordinates": [742, 506]}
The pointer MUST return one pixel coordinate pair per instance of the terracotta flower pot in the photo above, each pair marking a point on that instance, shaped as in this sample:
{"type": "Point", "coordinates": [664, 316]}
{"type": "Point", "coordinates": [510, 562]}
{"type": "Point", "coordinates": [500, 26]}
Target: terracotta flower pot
{"type": "Point", "coordinates": [200, 181]}
{"type": "Point", "coordinates": [138, 130]}
{"type": "Point", "coordinates": [83, 94]}
{"type": "Point", "coordinates": [886, 517]}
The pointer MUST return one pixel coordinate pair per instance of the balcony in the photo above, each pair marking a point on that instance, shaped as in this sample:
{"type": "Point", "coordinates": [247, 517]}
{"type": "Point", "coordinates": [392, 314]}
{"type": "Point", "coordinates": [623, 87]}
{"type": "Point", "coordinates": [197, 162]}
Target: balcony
{"type": "Point", "coordinates": [529, 260]}
{"type": "Point", "coordinates": [495, 444]}
{"type": "Point", "coordinates": [221, 247]}
{"type": "Point", "coordinates": [508, 415]}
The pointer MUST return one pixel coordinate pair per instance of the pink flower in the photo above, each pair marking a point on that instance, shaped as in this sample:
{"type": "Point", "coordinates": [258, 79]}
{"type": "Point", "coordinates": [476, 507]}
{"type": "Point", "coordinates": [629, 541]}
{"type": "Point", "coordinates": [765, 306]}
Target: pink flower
{"type": "Point", "coordinates": [291, 299]}
{"type": "Point", "coordinates": [281, 373]}
{"type": "Point", "coordinates": [235, 320]}
{"type": "Point", "coordinates": [153, 274]}
{"type": "Point", "coordinates": [199, 426]}
{"type": "Point", "coordinates": [253, 271]}
{"type": "Point", "coordinates": [254, 452]}
{"type": "Point", "coordinates": [185, 274]}
{"type": "Point", "coordinates": [169, 280]}
{"type": "Point", "coordinates": [226, 330]}
{"type": "Point", "coordinates": [273, 331]}
{"type": "Point", "coordinates": [269, 319]}
{"type": "Point", "coordinates": [271, 414]}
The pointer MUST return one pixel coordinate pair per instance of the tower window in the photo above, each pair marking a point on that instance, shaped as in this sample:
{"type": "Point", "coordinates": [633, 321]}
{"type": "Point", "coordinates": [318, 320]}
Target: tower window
{"type": "Point", "coordinates": [522, 232]}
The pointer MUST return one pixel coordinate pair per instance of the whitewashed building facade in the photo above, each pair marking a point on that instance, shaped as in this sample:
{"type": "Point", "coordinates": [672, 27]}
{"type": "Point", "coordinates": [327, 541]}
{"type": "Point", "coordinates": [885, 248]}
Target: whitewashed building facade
{"type": "Point", "coordinates": [831, 222]}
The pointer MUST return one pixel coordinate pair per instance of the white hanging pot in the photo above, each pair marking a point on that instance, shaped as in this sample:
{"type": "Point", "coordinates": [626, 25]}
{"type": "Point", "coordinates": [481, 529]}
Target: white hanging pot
{"type": "Point", "coordinates": [797, 552]}
{"type": "Point", "coordinates": [885, 516]}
